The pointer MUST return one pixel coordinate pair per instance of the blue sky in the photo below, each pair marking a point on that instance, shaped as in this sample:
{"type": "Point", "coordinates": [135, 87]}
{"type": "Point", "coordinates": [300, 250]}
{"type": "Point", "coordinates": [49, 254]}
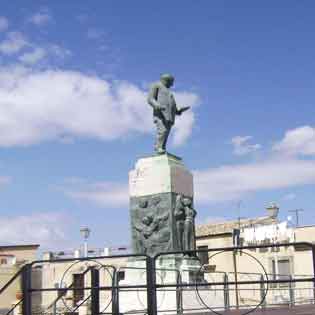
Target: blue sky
{"type": "Point", "coordinates": [73, 116]}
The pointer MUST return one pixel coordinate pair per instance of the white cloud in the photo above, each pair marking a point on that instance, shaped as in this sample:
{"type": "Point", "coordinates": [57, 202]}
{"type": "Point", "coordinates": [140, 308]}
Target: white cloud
{"type": "Point", "coordinates": [14, 42]}
{"type": "Point", "coordinates": [41, 18]}
{"type": "Point", "coordinates": [282, 169]}
{"type": "Point", "coordinates": [39, 54]}
{"type": "Point", "coordinates": [242, 147]}
{"type": "Point", "coordinates": [214, 185]}
{"type": "Point", "coordinates": [230, 182]}
{"type": "Point", "coordinates": [4, 180]}
{"type": "Point", "coordinates": [38, 106]}
{"type": "Point", "coordinates": [297, 141]}
{"type": "Point", "coordinates": [104, 194]}
{"type": "Point", "coordinates": [219, 184]}
{"type": "Point", "coordinates": [290, 196]}
{"type": "Point", "coordinates": [4, 23]}
{"type": "Point", "coordinates": [34, 56]}
{"type": "Point", "coordinates": [59, 51]}
{"type": "Point", "coordinates": [46, 229]}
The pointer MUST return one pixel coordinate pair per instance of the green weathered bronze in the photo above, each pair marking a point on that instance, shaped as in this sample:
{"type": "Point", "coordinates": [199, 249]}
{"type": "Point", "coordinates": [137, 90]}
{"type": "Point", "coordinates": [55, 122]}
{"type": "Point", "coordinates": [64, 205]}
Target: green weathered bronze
{"type": "Point", "coordinates": [164, 110]}
{"type": "Point", "coordinates": [161, 223]}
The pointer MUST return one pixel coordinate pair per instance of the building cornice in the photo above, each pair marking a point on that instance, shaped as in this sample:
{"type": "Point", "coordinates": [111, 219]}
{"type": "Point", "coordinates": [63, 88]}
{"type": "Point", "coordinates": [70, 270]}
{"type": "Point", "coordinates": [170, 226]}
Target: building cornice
{"type": "Point", "coordinates": [17, 247]}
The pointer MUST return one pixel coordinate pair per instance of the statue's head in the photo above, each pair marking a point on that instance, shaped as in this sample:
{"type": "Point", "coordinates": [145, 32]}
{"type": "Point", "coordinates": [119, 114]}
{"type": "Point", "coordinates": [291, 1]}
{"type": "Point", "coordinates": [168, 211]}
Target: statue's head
{"type": "Point", "coordinates": [156, 200]}
{"type": "Point", "coordinates": [167, 80]}
{"type": "Point", "coordinates": [143, 203]}
{"type": "Point", "coordinates": [147, 220]}
{"type": "Point", "coordinates": [186, 202]}
{"type": "Point", "coordinates": [179, 197]}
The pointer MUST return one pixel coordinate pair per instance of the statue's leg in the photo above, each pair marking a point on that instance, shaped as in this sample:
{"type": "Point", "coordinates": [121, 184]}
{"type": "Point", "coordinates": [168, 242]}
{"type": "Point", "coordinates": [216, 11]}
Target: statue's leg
{"type": "Point", "coordinates": [181, 235]}
{"type": "Point", "coordinates": [189, 239]}
{"type": "Point", "coordinates": [178, 234]}
{"type": "Point", "coordinates": [165, 136]}
{"type": "Point", "coordinates": [161, 132]}
{"type": "Point", "coordinates": [185, 238]}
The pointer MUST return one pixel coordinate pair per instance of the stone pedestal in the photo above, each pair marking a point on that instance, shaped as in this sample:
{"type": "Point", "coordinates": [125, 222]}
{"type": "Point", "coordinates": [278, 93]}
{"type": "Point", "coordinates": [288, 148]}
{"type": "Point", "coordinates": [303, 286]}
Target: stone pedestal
{"type": "Point", "coordinates": [162, 216]}
{"type": "Point", "coordinates": [162, 220]}
{"type": "Point", "coordinates": [170, 270]}
{"type": "Point", "coordinates": [154, 187]}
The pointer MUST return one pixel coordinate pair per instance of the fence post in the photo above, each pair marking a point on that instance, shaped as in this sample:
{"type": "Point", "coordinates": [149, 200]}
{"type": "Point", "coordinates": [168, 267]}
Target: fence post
{"type": "Point", "coordinates": [179, 294]}
{"type": "Point", "coordinates": [151, 286]}
{"type": "Point", "coordinates": [55, 309]}
{"type": "Point", "coordinates": [226, 292]}
{"type": "Point", "coordinates": [291, 292]}
{"type": "Point", "coordinates": [115, 294]}
{"type": "Point", "coordinates": [95, 292]}
{"type": "Point", "coordinates": [262, 292]}
{"type": "Point", "coordinates": [235, 278]}
{"type": "Point", "coordinates": [313, 255]}
{"type": "Point", "coordinates": [26, 290]}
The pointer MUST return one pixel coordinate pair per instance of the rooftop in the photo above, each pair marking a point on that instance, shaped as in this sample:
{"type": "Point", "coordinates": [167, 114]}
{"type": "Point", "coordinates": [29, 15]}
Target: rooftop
{"type": "Point", "coordinates": [212, 229]}
{"type": "Point", "coordinates": [21, 246]}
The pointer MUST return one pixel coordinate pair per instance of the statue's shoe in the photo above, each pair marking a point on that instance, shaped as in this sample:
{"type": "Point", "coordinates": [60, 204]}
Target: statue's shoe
{"type": "Point", "coordinates": [160, 151]}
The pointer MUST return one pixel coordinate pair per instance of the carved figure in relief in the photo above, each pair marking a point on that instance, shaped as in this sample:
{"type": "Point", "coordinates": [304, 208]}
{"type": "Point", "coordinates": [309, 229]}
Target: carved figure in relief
{"type": "Point", "coordinates": [179, 214]}
{"type": "Point", "coordinates": [189, 225]}
{"type": "Point", "coordinates": [148, 232]}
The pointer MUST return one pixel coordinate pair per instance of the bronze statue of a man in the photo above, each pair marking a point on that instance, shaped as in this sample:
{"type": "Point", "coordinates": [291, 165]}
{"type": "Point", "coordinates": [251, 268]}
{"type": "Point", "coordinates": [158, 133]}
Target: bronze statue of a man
{"type": "Point", "coordinates": [164, 110]}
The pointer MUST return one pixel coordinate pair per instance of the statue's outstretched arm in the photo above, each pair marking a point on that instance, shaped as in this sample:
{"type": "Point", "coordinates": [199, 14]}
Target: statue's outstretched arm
{"type": "Point", "coordinates": [180, 110]}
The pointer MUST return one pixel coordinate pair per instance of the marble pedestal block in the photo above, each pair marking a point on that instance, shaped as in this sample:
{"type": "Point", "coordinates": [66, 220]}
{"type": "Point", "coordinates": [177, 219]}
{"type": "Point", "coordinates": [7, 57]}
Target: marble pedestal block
{"type": "Point", "coordinates": [162, 220]}
{"type": "Point", "coordinates": [170, 270]}
{"type": "Point", "coordinates": [154, 187]}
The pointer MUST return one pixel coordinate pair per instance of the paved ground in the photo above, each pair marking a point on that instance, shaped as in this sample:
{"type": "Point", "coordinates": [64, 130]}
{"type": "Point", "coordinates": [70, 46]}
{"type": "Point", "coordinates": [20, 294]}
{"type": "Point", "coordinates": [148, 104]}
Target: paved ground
{"type": "Point", "coordinates": [296, 310]}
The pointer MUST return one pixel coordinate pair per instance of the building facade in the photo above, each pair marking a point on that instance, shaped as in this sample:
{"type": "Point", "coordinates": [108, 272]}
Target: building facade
{"type": "Point", "coordinates": [282, 262]}
{"type": "Point", "coordinates": [12, 258]}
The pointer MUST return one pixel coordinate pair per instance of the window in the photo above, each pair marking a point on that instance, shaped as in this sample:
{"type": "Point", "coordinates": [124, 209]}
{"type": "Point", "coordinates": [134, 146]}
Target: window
{"type": "Point", "coordinates": [203, 256]}
{"type": "Point", "coordinates": [236, 237]}
{"type": "Point", "coordinates": [281, 270]}
{"type": "Point", "coordinates": [273, 273]}
{"type": "Point", "coordinates": [275, 249]}
{"type": "Point", "coordinates": [121, 275]}
{"type": "Point", "coordinates": [3, 261]}
{"type": "Point", "coordinates": [78, 282]}
{"type": "Point", "coordinates": [284, 269]}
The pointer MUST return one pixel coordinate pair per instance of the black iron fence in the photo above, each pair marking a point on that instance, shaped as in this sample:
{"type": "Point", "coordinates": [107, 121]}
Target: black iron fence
{"type": "Point", "coordinates": [238, 280]}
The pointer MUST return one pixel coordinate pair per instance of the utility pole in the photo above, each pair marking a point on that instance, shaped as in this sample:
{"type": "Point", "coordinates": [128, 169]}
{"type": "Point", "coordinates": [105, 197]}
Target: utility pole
{"type": "Point", "coordinates": [235, 252]}
{"type": "Point", "coordinates": [297, 212]}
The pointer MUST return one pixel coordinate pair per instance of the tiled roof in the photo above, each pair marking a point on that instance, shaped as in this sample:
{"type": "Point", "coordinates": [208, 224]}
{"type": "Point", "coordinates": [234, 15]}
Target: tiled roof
{"type": "Point", "coordinates": [217, 228]}
{"type": "Point", "coordinates": [27, 246]}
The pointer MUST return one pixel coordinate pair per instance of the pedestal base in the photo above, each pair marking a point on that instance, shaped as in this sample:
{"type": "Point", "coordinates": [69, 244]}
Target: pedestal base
{"type": "Point", "coordinates": [170, 270]}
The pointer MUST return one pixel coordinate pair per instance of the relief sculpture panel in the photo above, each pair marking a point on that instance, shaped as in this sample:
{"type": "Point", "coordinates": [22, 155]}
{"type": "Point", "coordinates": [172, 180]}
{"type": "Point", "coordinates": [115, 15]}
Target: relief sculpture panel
{"type": "Point", "coordinates": [161, 223]}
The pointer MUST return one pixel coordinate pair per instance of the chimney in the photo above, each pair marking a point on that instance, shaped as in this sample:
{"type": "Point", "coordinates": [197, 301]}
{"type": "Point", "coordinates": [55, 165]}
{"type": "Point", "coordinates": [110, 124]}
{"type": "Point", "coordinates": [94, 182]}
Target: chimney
{"type": "Point", "coordinates": [273, 210]}
{"type": "Point", "coordinates": [48, 256]}
{"type": "Point", "coordinates": [77, 253]}
{"type": "Point", "coordinates": [107, 251]}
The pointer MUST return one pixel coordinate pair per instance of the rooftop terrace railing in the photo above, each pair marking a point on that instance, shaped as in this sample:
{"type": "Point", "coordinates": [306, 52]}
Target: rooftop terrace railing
{"type": "Point", "coordinates": [164, 289]}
